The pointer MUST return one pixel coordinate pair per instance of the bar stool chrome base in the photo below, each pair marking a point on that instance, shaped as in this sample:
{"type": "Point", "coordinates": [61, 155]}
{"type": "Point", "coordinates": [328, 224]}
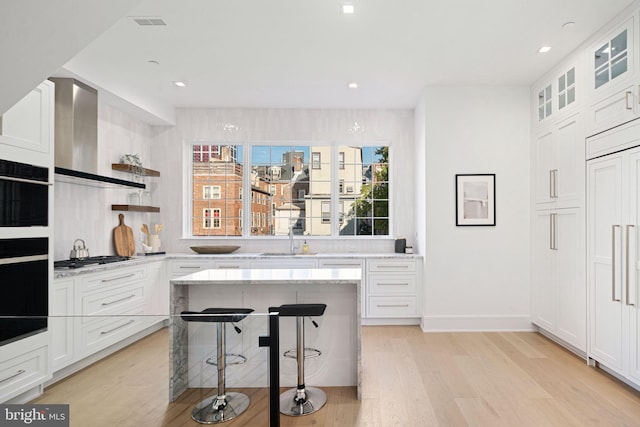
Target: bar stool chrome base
{"type": "Point", "coordinates": [297, 402]}
{"type": "Point", "coordinates": [218, 409]}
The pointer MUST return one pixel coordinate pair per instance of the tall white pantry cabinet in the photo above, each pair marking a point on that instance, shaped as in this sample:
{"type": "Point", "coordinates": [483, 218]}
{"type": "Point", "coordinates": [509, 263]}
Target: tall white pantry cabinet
{"type": "Point", "coordinates": [613, 256]}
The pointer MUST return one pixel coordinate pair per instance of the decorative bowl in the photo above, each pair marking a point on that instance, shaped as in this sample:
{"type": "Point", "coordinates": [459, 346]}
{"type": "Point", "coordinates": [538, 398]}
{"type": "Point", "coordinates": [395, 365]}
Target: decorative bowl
{"type": "Point", "coordinates": [214, 249]}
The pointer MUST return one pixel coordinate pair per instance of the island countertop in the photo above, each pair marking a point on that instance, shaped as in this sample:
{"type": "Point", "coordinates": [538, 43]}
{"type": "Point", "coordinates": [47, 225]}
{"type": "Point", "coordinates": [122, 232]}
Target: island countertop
{"type": "Point", "coordinates": [280, 276]}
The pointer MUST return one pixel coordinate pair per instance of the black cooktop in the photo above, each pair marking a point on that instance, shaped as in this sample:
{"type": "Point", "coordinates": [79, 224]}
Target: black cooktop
{"type": "Point", "coordinates": [78, 263]}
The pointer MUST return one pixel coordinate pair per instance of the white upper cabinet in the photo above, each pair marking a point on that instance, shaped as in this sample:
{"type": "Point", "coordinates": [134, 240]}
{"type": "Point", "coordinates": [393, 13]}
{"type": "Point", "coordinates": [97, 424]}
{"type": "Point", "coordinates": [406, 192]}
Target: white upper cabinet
{"type": "Point", "coordinates": [27, 127]}
{"type": "Point", "coordinates": [612, 64]}
{"type": "Point", "coordinates": [559, 164]}
{"type": "Point", "coordinates": [557, 95]}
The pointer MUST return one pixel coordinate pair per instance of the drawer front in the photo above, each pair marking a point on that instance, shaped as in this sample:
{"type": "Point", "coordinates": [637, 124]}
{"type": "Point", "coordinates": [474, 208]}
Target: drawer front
{"type": "Point", "coordinates": [112, 279]}
{"type": "Point", "coordinates": [398, 284]}
{"type": "Point", "coordinates": [397, 306]}
{"type": "Point", "coordinates": [94, 337]}
{"type": "Point", "coordinates": [184, 267]}
{"type": "Point", "coordinates": [399, 265]}
{"type": "Point", "coordinates": [114, 301]}
{"type": "Point", "coordinates": [22, 372]}
{"type": "Point", "coordinates": [231, 264]}
{"type": "Point", "coordinates": [341, 263]}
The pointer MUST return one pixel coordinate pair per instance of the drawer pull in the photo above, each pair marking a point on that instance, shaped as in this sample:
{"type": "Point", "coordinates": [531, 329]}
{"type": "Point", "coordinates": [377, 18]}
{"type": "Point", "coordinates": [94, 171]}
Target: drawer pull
{"type": "Point", "coordinates": [228, 267]}
{"type": "Point", "coordinates": [392, 266]}
{"type": "Point", "coordinates": [20, 372]}
{"type": "Point", "coordinates": [118, 300]}
{"type": "Point", "coordinates": [392, 305]}
{"type": "Point", "coordinates": [190, 267]}
{"type": "Point", "coordinates": [118, 278]}
{"type": "Point", "coordinates": [117, 327]}
{"type": "Point", "coordinates": [393, 284]}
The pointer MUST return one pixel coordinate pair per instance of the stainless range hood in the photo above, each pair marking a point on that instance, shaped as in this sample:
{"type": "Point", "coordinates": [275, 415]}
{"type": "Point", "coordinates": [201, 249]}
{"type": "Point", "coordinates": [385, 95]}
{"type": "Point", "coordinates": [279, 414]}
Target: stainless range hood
{"type": "Point", "coordinates": [76, 135]}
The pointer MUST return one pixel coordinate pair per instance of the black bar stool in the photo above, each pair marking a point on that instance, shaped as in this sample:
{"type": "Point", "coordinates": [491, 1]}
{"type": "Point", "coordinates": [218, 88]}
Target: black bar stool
{"type": "Point", "coordinates": [223, 406]}
{"type": "Point", "coordinates": [302, 400]}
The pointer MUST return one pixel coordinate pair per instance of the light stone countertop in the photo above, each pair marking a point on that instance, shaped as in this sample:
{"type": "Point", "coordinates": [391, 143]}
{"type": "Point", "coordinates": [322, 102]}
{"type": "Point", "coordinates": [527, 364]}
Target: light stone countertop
{"type": "Point", "coordinates": [142, 259]}
{"type": "Point", "coordinates": [281, 276]}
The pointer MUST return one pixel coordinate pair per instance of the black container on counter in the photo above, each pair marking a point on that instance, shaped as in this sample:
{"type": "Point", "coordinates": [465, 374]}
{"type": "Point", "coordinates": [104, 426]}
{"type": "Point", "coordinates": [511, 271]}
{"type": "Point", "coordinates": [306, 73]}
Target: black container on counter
{"type": "Point", "coordinates": [401, 245]}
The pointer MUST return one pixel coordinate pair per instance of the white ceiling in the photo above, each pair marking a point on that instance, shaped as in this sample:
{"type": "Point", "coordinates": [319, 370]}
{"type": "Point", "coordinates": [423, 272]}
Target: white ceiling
{"type": "Point", "coordinates": [302, 53]}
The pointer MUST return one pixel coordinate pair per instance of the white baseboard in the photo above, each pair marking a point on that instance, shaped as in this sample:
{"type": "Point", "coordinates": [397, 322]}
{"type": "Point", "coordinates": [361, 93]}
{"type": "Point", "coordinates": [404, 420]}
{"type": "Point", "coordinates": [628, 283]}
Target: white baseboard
{"type": "Point", "coordinates": [476, 323]}
{"type": "Point", "coordinates": [390, 321]}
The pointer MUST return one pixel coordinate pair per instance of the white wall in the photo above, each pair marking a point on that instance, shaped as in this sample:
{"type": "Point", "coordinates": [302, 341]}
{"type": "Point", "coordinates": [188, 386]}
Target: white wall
{"type": "Point", "coordinates": [286, 125]}
{"type": "Point", "coordinates": [476, 278]}
{"type": "Point", "coordinates": [85, 212]}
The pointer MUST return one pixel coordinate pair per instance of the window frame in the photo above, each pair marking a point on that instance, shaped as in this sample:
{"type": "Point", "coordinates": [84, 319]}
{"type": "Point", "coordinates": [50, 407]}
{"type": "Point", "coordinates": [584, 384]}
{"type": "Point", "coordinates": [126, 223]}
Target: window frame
{"type": "Point", "coordinates": [247, 201]}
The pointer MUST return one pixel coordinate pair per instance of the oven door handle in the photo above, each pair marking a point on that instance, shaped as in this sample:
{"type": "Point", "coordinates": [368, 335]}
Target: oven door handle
{"type": "Point", "coordinates": [23, 180]}
{"type": "Point", "coordinates": [21, 259]}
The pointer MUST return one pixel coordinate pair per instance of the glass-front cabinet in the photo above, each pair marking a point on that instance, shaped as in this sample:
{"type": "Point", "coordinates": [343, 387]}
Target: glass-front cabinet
{"type": "Point", "coordinates": [613, 77]}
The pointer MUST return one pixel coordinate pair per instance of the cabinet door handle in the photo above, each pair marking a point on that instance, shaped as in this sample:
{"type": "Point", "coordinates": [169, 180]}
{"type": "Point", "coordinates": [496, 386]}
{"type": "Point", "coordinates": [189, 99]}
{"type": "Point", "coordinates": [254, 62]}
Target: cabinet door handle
{"type": "Point", "coordinates": [119, 300]}
{"type": "Point", "coordinates": [20, 372]}
{"type": "Point", "coordinates": [629, 226]}
{"type": "Point", "coordinates": [551, 183]}
{"type": "Point", "coordinates": [555, 183]}
{"type": "Point", "coordinates": [392, 305]}
{"type": "Point", "coordinates": [117, 327]}
{"type": "Point", "coordinates": [628, 105]}
{"type": "Point", "coordinates": [118, 278]}
{"type": "Point", "coordinates": [613, 262]}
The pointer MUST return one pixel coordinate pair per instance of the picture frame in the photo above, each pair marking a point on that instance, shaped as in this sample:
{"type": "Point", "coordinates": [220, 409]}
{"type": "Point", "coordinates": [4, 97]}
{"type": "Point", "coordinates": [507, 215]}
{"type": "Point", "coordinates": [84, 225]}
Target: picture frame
{"type": "Point", "coordinates": [476, 199]}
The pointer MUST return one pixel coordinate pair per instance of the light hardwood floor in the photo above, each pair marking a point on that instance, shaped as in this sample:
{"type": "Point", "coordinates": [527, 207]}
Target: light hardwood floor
{"type": "Point", "coordinates": [410, 379]}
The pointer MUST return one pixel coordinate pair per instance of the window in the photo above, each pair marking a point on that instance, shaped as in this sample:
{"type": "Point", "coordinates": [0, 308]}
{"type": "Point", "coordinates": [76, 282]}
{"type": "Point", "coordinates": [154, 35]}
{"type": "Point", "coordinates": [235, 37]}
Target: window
{"type": "Point", "coordinates": [210, 192]}
{"type": "Point", "coordinates": [211, 218]}
{"type": "Point", "coordinates": [326, 212]}
{"type": "Point", "coordinates": [290, 184]}
{"type": "Point", "coordinates": [315, 160]}
{"type": "Point", "coordinates": [216, 179]}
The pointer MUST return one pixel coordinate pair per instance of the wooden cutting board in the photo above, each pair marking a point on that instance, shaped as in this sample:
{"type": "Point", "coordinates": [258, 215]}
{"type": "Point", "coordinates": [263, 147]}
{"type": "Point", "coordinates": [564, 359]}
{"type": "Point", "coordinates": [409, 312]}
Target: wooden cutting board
{"type": "Point", "coordinates": [123, 239]}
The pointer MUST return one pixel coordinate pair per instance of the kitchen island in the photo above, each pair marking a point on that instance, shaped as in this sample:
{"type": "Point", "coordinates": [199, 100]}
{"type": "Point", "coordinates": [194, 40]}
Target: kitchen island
{"type": "Point", "coordinates": [337, 335]}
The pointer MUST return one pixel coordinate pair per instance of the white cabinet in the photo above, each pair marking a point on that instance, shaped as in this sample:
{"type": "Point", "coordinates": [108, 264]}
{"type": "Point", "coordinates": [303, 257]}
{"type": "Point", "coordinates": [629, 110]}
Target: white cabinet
{"type": "Point", "coordinates": [350, 263]}
{"type": "Point", "coordinates": [613, 218]}
{"type": "Point", "coordinates": [21, 369]}
{"type": "Point", "coordinates": [392, 290]}
{"type": "Point", "coordinates": [28, 125]}
{"type": "Point", "coordinates": [557, 94]}
{"type": "Point", "coordinates": [559, 164]}
{"type": "Point", "coordinates": [613, 77]}
{"type": "Point", "coordinates": [93, 311]}
{"type": "Point", "coordinates": [62, 322]}
{"type": "Point", "coordinates": [559, 290]}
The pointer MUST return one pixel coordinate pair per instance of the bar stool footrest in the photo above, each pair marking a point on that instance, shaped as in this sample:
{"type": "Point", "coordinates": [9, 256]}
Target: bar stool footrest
{"type": "Point", "coordinates": [309, 353]}
{"type": "Point", "coordinates": [239, 359]}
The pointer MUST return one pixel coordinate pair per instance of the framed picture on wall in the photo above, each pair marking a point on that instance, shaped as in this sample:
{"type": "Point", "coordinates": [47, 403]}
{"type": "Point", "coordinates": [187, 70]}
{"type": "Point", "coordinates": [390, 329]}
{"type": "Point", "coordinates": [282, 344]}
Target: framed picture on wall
{"type": "Point", "coordinates": [476, 199]}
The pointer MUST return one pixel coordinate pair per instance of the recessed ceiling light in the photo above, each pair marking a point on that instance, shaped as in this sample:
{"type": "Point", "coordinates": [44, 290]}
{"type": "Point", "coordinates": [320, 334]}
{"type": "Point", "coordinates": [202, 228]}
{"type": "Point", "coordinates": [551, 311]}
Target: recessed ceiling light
{"type": "Point", "coordinates": [179, 83]}
{"type": "Point", "coordinates": [348, 9]}
{"type": "Point", "coordinates": [353, 85]}
{"type": "Point", "coordinates": [544, 49]}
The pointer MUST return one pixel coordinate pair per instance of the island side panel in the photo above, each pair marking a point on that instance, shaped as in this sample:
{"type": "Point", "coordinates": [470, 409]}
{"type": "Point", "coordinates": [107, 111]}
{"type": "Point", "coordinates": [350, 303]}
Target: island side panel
{"type": "Point", "coordinates": [179, 342]}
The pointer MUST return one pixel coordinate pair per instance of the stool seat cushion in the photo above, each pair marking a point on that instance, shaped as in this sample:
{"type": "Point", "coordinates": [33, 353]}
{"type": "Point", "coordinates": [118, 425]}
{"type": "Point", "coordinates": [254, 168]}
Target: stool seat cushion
{"type": "Point", "coordinates": [296, 310]}
{"type": "Point", "coordinates": [216, 315]}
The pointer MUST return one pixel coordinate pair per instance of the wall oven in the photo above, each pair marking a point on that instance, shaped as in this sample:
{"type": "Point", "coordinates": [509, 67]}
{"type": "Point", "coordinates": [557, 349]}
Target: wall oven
{"type": "Point", "coordinates": [24, 194]}
{"type": "Point", "coordinates": [23, 288]}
